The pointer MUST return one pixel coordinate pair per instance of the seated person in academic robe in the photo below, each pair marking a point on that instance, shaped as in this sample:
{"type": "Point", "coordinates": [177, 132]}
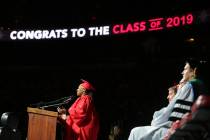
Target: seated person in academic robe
{"type": "Point", "coordinates": [177, 107]}
{"type": "Point", "coordinates": [82, 123]}
{"type": "Point", "coordinates": [171, 93]}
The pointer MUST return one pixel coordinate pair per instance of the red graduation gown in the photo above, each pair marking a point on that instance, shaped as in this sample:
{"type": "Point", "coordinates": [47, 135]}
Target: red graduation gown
{"type": "Point", "coordinates": [82, 123]}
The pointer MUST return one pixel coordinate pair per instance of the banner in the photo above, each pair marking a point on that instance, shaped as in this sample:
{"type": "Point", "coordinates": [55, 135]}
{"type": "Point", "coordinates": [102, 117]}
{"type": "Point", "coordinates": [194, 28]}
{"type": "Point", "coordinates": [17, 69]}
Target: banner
{"type": "Point", "coordinates": [154, 24]}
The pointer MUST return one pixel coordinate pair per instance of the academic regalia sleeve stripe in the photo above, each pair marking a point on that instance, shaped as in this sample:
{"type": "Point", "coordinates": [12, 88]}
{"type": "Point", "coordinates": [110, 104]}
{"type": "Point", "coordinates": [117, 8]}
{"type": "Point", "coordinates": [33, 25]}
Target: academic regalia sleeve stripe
{"type": "Point", "coordinates": [180, 108]}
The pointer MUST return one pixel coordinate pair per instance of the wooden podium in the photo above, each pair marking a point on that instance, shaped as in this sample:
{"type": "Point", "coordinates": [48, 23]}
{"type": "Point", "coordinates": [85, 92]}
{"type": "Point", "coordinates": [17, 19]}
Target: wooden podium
{"type": "Point", "coordinates": [41, 124]}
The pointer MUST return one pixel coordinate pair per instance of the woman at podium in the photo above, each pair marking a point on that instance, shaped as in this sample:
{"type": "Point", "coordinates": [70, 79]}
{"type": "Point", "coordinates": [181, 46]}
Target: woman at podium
{"type": "Point", "coordinates": [82, 123]}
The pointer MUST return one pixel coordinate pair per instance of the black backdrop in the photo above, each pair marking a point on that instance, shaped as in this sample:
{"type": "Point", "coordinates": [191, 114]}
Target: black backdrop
{"type": "Point", "coordinates": [131, 73]}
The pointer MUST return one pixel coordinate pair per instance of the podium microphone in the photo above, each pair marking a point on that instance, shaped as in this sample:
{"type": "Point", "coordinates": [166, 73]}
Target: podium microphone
{"type": "Point", "coordinates": [56, 104]}
{"type": "Point", "coordinates": [69, 99]}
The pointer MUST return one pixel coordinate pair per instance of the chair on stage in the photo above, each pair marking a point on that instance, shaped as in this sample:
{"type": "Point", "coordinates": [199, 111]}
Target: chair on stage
{"type": "Point", "coordinates": [9, 127]}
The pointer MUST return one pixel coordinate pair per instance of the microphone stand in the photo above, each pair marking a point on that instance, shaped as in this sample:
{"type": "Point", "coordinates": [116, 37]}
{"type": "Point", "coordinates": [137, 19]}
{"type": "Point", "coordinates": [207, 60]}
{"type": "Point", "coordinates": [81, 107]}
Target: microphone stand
{"type": "Point", "coordinates": [52, 105]}
{"type": "Point", "coordinates": [49, 103]}
{"type": "Point", "coordinates": [55, 104]}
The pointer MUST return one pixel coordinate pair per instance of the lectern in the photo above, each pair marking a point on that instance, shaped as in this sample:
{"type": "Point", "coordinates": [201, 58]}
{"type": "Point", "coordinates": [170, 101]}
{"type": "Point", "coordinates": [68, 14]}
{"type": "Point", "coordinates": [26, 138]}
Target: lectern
{"type": "Point", "coordinates": [41, 124]}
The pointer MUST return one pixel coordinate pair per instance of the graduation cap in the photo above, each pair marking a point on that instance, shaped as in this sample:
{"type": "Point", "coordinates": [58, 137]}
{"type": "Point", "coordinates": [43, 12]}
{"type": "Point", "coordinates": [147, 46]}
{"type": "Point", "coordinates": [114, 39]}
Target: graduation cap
{"type": "Point", "coordinates": [87, 85]}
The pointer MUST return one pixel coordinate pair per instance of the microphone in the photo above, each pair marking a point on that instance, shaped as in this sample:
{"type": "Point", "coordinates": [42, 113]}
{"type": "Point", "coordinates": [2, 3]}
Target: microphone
{"type": "Point", "coordinates": [69, 99]}
{"type": "Point", "coordinates": [58, 102]}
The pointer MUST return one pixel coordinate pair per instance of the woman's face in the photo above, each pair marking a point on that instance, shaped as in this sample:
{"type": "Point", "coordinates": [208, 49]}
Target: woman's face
{"type": "Point", "coordinates": [80, 90]}
{"type": "Point", "coordinates": [187, 73]}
